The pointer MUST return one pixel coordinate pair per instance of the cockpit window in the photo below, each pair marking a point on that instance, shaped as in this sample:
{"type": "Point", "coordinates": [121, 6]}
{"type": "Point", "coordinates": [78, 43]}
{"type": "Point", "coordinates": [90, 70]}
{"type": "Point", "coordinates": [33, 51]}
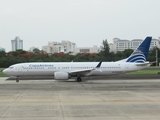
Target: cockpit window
{"type": "Point", "coordinates": [11, 67]}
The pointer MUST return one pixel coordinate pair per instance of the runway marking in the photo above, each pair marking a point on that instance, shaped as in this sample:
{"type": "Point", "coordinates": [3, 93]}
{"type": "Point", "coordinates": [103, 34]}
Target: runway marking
{"type": "Point", "coordinates": [107, 101]}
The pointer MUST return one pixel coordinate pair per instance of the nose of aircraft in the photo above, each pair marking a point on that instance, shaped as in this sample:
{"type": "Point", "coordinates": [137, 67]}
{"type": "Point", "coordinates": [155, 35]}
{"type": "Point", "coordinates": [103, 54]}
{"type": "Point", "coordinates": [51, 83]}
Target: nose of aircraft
{"type": "Point", "coordinates": [5, 71]}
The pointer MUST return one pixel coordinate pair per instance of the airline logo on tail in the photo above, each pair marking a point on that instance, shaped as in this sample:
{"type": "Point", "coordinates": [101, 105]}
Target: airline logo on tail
{"type": "Point", "coordinates": [141, 53]}
{"type": "Point", "coordinates": [137, 57]}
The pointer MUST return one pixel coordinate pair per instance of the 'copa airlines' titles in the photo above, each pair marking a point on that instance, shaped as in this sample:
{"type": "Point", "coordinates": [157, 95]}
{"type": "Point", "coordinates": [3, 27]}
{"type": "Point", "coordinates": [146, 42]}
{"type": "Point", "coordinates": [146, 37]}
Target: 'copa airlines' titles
{"type": "Point", "coordinates": [44, 65]}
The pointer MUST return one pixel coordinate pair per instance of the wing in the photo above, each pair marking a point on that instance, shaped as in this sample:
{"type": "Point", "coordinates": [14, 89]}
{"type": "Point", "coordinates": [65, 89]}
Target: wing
{"type": "Point", "coordinates": [80, 72]}
{"type": "Point", "coordinates": [83, 72]}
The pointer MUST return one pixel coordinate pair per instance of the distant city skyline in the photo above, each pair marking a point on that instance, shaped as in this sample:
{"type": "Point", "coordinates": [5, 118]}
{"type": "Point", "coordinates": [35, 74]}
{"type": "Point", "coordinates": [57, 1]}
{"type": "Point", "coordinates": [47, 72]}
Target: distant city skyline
{"type": "Point", "coordinates": [41, 47]}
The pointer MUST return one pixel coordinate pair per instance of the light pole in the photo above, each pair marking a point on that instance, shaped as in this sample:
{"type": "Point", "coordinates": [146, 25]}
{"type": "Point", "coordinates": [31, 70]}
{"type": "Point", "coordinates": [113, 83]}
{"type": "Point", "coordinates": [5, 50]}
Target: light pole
{"type": "Point", "coordinates": [156, 57]}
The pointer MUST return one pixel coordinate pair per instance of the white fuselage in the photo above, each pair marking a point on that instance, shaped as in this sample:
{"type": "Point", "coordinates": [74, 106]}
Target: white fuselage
{"type": "Point", "coordinates": [48, 68]}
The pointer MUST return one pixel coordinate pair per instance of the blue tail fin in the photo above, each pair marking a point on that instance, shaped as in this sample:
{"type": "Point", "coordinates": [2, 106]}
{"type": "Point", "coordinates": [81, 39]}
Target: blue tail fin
{"type": "Point", "coordinates": [141, 53]}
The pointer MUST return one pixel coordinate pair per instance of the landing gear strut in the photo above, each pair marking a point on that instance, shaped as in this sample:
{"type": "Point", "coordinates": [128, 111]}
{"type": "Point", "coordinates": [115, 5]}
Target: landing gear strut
{"type": "Point", "coordinates": [79, 79]}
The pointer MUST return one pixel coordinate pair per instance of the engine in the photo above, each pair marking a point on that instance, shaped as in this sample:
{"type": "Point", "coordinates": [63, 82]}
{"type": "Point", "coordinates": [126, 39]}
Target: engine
{"type": "Point", "coordinates": [61, 76]}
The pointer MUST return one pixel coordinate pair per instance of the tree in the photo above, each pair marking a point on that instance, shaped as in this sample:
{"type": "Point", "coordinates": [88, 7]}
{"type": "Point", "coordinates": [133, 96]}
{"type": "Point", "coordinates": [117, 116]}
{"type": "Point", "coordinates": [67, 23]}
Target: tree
{"type": "Point", "coordinates": [152, 55]}
{"type": "Point", "coordinates": [105, 48]}
{"type": "Point", "coordinates": [2, 54]}
{"type": "Point", "coordinates": [36, 50]}
{"type": "Point", "coordinates": [119, 55]}
{"type": "Point", "coordinates": [127, 52]}
{"type": "Point", "coordinates": [17, 52]}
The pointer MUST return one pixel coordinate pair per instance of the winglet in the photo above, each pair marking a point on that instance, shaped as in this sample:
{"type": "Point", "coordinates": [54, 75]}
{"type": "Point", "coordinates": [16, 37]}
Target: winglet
{"type": "Point", "coordinates": [99, 64]}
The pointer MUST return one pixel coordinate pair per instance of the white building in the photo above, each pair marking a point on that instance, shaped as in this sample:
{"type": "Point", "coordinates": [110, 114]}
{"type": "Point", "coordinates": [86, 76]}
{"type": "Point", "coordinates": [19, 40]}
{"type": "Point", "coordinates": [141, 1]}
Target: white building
{"type": "Point", "coordinates": [32, 48]}
{"type": "Point", "coordinates": [57, 47]}
{"type": "Point", "coordinates": [48, 49]}
{"type": "Point", "coordinates": [121, 45]}
{"type": "Point", "coordinates": [17, 43]}
{"type": "Point", "coordinates": [155, 43]}
{"type": "Point", "coordinates": [93, 49]}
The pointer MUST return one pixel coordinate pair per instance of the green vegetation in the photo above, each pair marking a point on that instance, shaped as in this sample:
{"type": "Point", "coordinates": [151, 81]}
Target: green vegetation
{"type": "Point", "coordinates": [2, 69]}
{"type": "Point", "coordinates": [2, 74]}
{"type": "Point", "coordinates": [144, 72]}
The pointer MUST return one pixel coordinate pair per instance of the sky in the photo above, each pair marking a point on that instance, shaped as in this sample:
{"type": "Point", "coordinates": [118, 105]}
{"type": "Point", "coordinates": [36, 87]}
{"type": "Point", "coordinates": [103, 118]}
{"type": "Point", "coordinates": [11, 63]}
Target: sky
{"type": "Point", "coordinates": [84, 22]}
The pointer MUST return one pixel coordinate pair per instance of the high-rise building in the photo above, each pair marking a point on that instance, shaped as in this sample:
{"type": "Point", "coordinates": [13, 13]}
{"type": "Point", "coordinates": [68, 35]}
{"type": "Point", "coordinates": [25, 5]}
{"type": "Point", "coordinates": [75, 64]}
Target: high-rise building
{"type": "Point", "coordinates": [17, 43]}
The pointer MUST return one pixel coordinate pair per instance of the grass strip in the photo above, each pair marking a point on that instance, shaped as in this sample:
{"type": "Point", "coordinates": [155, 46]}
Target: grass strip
{"type": "Point", "coordinates": [144, 72]}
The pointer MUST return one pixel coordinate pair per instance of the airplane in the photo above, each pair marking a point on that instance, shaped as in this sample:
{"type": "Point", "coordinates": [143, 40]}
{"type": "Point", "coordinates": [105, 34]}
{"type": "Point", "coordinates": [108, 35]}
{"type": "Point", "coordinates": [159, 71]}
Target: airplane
{"type": "Point", "coordinates": [67, 70]}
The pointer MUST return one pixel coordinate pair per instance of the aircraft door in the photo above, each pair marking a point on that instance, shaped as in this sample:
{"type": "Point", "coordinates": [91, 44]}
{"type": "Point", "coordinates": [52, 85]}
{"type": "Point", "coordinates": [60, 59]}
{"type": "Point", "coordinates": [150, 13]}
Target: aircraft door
{"type": "Point", "coordinates": [19, 69]}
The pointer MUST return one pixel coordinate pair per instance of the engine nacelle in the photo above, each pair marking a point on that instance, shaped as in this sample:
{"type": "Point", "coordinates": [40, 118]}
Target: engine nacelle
{"type": "Point", "coordinates": [61, 76]}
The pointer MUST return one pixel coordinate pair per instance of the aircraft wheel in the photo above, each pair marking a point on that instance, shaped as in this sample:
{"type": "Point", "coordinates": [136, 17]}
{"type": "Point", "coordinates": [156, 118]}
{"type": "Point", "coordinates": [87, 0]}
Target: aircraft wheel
{"type": "Point", "coordinates": [79, 79]}
{"type": "Point", "coordinates": [17, 80]}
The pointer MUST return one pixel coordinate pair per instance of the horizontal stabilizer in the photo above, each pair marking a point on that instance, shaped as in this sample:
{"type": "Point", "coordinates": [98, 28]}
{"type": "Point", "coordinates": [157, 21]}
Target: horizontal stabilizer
{"type": "Point", "coordinates": [146, 63]}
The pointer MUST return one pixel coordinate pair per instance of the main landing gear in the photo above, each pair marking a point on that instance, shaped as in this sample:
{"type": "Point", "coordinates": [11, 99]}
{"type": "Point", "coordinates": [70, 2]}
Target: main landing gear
{"type": "Point", "coordinates": [79, 79]}
{"type": "Point", "coordinates": [17, 80]}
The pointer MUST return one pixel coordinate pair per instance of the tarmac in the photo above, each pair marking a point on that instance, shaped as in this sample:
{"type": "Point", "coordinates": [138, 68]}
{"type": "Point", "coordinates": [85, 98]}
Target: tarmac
{"type": "Point", "coordinates": [129, 99]}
